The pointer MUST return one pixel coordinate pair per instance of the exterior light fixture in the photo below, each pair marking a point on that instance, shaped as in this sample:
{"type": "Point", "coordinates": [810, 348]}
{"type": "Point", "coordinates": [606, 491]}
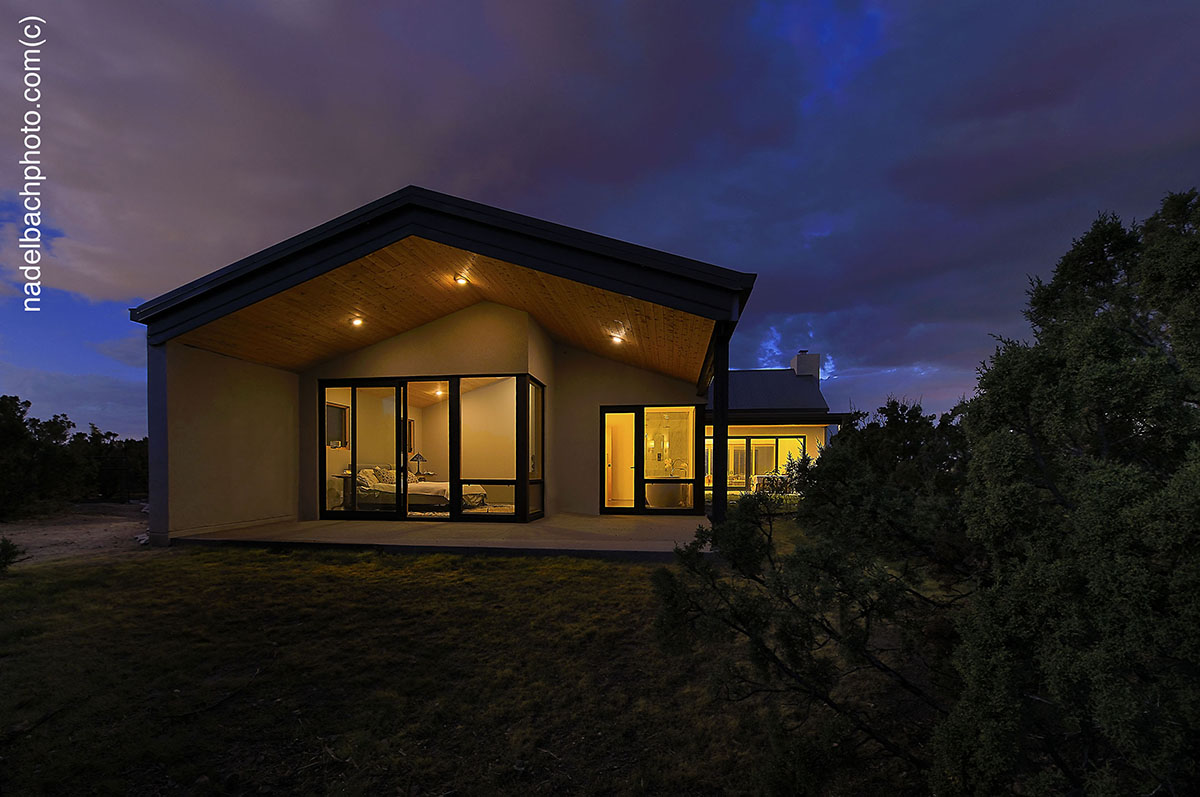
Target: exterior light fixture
{"type": "Point", "coordinates": [356, 322]}
{"type": "Point", "coordinates": [461, 280]}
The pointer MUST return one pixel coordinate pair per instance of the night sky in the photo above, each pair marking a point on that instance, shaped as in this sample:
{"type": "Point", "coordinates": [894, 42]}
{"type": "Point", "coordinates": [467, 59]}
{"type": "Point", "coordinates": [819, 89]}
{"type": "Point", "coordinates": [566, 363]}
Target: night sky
{"type": "Point", "coordinates": [893, 171]}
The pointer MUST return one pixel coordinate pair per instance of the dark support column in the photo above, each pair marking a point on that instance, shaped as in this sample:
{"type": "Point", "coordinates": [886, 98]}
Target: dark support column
{"type": "Point", "coordinates": [720, 436]}
{"type": "Point", "coordinates": [156, 406]}
{"type": "Point", "coordinates": [455, 475]}
{"type": "Point", "coordinates": [522, 497]}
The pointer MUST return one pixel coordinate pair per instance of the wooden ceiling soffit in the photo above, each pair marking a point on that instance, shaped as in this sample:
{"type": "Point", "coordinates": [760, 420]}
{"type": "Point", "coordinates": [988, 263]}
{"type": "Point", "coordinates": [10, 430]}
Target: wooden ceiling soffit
{"type": "Point", "coordinates": [412, 282]}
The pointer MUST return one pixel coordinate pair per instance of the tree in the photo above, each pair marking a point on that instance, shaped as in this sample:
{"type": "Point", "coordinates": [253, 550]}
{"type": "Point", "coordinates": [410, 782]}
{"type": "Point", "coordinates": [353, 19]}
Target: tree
{"type": "Point", "coordinates": [848, 631]}
{"type": "Point", "coordinates": [1081, 650]}
{"type": "Point", "coordinates": [45, 465]}
{"type": "Point", "coordinates": [16, 456]}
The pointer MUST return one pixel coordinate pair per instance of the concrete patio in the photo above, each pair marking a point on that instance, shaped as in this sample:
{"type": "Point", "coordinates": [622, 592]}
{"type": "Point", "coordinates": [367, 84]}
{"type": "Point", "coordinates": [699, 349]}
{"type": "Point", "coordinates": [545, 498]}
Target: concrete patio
{"type": "Point", "coordinates": [636, 537]}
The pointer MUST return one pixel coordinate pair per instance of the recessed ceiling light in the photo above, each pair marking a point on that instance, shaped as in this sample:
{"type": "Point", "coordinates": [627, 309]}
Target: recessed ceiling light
{"type": "Point", "coordinates": [437, 392]}
{"type": "Point", "coordinates": [356, 322]}
{"type": "Point", "coordinates": [618, 339]}
{"type": "Point", "coordinates": [461, 280]}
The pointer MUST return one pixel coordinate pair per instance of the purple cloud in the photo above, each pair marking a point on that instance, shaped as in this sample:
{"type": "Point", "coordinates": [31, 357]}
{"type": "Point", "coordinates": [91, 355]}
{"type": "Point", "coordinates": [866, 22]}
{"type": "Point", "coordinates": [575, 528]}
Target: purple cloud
{"type": "Point", "coordinates": [893, 172]}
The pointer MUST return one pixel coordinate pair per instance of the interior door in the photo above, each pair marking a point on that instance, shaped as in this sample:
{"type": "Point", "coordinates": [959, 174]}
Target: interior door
{"type": "Point", "coordinates": [619, 460]}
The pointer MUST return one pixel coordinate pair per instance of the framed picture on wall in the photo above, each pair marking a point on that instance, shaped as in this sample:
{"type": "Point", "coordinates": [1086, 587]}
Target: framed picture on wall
{"type": "Point", "coordinates": [337, 425]}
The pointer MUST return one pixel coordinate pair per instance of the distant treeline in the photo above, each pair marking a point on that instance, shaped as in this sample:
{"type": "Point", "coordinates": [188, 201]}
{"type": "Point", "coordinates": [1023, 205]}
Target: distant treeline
{"type": "Point", "coordinates": [44, 465]}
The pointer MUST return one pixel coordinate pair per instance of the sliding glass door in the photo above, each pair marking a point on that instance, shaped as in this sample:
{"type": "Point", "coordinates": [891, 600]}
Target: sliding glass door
{"type": "Point", "coordinates": [360, 426]}
{"type": "Point", "coordinates": [436, 448]}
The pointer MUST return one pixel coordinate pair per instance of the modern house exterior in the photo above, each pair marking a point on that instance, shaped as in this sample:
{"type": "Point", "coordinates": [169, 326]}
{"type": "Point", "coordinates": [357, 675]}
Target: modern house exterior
{"type": "Point", "coordinates": [426, 357]}
{"type": "Point", "coordinates": [775, 415]}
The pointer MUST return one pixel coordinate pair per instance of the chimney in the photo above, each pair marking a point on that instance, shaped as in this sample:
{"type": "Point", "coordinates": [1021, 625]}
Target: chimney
{"type": "Point", "coordinates": [805, 364]}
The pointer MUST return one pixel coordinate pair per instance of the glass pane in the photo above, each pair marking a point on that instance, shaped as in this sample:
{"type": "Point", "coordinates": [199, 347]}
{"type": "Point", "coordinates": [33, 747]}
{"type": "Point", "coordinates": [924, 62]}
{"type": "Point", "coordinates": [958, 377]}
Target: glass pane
{"type": "Point", "coordinates": [762, 456]}
{"type": "Point", "coordinates": [375, 484]}
{"type": "Point", "coordinates": [537, 498]}
{"type": "Point", "coordinates": [670, 436]}
{"type": "Point", "coordinates": [489, 499]}
{"type": "Point", "coordinates": [793, 447]}
{"type": "Point", "coordinates": [489, 428]}
{"type": "Point", "coordinates": [339, 490]}
{"type": "Point", "coordinates": [669, 496]}
{"type": "Point", "coordinates": [708, 457]}
{"type": "Point", "coordinates": [738, 460]}
{"type": "Point", "coordinates": [536, 412]}
{"type": "Point", "coordinates": [428, 465]}
{"type": "Point", "coordinates": [618, 459]}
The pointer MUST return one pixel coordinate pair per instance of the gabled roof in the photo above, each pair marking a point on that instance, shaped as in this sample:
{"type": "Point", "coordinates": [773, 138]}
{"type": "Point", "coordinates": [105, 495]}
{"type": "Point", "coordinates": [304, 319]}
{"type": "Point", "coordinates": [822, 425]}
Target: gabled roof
{"type": "Point", "coordinates": [777, 395]}
{"type": "Point", "coordinates": [446, 230]}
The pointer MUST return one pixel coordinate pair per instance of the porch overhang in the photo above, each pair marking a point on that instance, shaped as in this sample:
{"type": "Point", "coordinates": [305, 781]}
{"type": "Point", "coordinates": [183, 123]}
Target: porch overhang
{"type": "Point", "coordinates": [394, 263]}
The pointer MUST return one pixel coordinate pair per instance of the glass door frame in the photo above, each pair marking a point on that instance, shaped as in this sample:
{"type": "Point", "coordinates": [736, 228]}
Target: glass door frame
{"type": "Point", "coordinates": [522, 479]}
{"type": "Point", "coordinates": [747, 443]}
{"type": "Point", "coordinates": [639, 461]}
{"type": "Point", "coordinates": [401, 423]}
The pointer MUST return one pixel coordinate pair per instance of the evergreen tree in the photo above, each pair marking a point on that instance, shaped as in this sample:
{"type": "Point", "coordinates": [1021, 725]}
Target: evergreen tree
{"type": "Point", "coordinates": [1081, 650]}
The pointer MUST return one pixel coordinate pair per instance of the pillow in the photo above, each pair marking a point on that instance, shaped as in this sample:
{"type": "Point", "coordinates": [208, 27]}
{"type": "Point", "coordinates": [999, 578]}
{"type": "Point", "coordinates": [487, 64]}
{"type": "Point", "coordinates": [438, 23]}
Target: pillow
{"type": "Point", "coordinates": [366, 478]}
{"type": "Point", "coordinates": [385, 475]}
{"type": "Point", "coordinates": [412, 477]}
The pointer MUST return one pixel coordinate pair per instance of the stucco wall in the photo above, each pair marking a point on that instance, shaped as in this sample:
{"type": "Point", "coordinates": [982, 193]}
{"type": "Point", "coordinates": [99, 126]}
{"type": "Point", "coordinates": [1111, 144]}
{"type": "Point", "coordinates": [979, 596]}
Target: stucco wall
{"type": "Point", "coordinates": [232, 450]}
{"type": "Point", "coordinates": [582, 383]}
{"type": "Point", "coordinates": [488, 339]}
{"type": "Point", "coordinates": [434, 423]}
{"type": "Point", "coordinates": [485, 338]}
{"type": "Point", "coordinates": [541, 366]}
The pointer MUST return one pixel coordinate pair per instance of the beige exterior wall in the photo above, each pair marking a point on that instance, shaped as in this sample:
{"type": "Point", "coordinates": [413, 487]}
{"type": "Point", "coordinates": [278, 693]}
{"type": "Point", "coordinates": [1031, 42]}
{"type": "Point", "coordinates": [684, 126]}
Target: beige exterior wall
{"type": "Point", "coordinates": [243, 439]}
{"type": "Point", "coordinates": [232, 449]}
{"type": "Point", "coordinates": [485, 338]}
{"type": "Point", "coordinates": [583, 383]}
{"type": "Point", "coordinates": [235, 456]}
{"type": "Point", "coordinates": [541, 367]}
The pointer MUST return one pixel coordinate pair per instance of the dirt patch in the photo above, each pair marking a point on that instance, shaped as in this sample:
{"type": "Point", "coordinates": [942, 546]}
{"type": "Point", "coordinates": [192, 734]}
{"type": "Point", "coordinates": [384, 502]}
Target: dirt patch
{"type": "Point", "coordinates": [85, 530]}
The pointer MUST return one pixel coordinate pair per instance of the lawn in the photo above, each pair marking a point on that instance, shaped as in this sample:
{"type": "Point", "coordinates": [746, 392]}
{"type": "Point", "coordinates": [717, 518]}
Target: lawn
{"type": "Point", "coordinates": [245, 671]}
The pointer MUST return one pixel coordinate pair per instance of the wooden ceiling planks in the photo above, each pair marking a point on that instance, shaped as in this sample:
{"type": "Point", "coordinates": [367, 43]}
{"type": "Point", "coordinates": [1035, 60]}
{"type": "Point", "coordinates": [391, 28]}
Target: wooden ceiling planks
{"type": "Point", "coordinates": [411, 283]}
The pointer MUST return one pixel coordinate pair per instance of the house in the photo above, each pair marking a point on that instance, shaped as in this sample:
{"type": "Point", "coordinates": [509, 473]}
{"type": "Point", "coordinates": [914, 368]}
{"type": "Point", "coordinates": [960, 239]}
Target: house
{"type": "Point", "coordinates": [429, 357]}
{"type": "Point", "coordinates": [774, 415]}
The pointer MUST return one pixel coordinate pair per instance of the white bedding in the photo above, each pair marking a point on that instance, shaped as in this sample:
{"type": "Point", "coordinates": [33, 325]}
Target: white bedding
{"type": "Point", "coordinates": [437, 488]}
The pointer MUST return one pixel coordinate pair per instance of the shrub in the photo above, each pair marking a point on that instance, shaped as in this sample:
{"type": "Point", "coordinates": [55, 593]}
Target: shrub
{"type": "Point", "coordinates": [849, 634]}
{"type": "Point", "coordinates": [10, 552]}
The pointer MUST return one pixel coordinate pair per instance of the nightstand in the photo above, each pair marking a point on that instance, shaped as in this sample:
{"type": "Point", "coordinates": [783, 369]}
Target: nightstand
{"type": "Point", "coordinates": [347, 488]}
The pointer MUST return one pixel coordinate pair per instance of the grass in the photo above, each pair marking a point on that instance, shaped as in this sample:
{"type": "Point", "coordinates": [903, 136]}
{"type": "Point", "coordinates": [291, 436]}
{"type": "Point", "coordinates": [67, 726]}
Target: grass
{"type": "Point", "coordinates": [243, 671]}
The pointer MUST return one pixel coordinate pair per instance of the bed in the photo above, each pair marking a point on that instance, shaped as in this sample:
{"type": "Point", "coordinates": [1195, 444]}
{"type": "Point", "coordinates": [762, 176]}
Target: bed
{"type": "Point", "coordinates": [376, 488]}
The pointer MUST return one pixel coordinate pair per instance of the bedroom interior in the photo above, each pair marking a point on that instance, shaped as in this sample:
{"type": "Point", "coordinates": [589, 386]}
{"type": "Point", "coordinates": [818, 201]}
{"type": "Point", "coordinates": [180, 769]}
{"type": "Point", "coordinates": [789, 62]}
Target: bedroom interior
{"type": "Point", "coordinates": [363, 432]}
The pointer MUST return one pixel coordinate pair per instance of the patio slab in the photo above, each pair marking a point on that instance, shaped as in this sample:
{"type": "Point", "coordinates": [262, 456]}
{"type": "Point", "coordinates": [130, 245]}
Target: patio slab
{"type": "Point", "coordinates": [637, 537]}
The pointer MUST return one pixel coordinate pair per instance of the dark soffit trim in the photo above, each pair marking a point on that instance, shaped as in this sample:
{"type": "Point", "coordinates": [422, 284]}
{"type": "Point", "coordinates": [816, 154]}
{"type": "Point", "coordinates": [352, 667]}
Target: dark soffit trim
{"type": "Point", "coordinates": [782, 416]}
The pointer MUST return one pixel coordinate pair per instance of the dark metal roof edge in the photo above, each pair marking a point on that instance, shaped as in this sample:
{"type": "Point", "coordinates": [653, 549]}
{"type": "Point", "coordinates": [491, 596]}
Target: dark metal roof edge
{"type": "Point", "coordinates": [583, 239]}
{"type": "Point", "coordinates": [672, 265]}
